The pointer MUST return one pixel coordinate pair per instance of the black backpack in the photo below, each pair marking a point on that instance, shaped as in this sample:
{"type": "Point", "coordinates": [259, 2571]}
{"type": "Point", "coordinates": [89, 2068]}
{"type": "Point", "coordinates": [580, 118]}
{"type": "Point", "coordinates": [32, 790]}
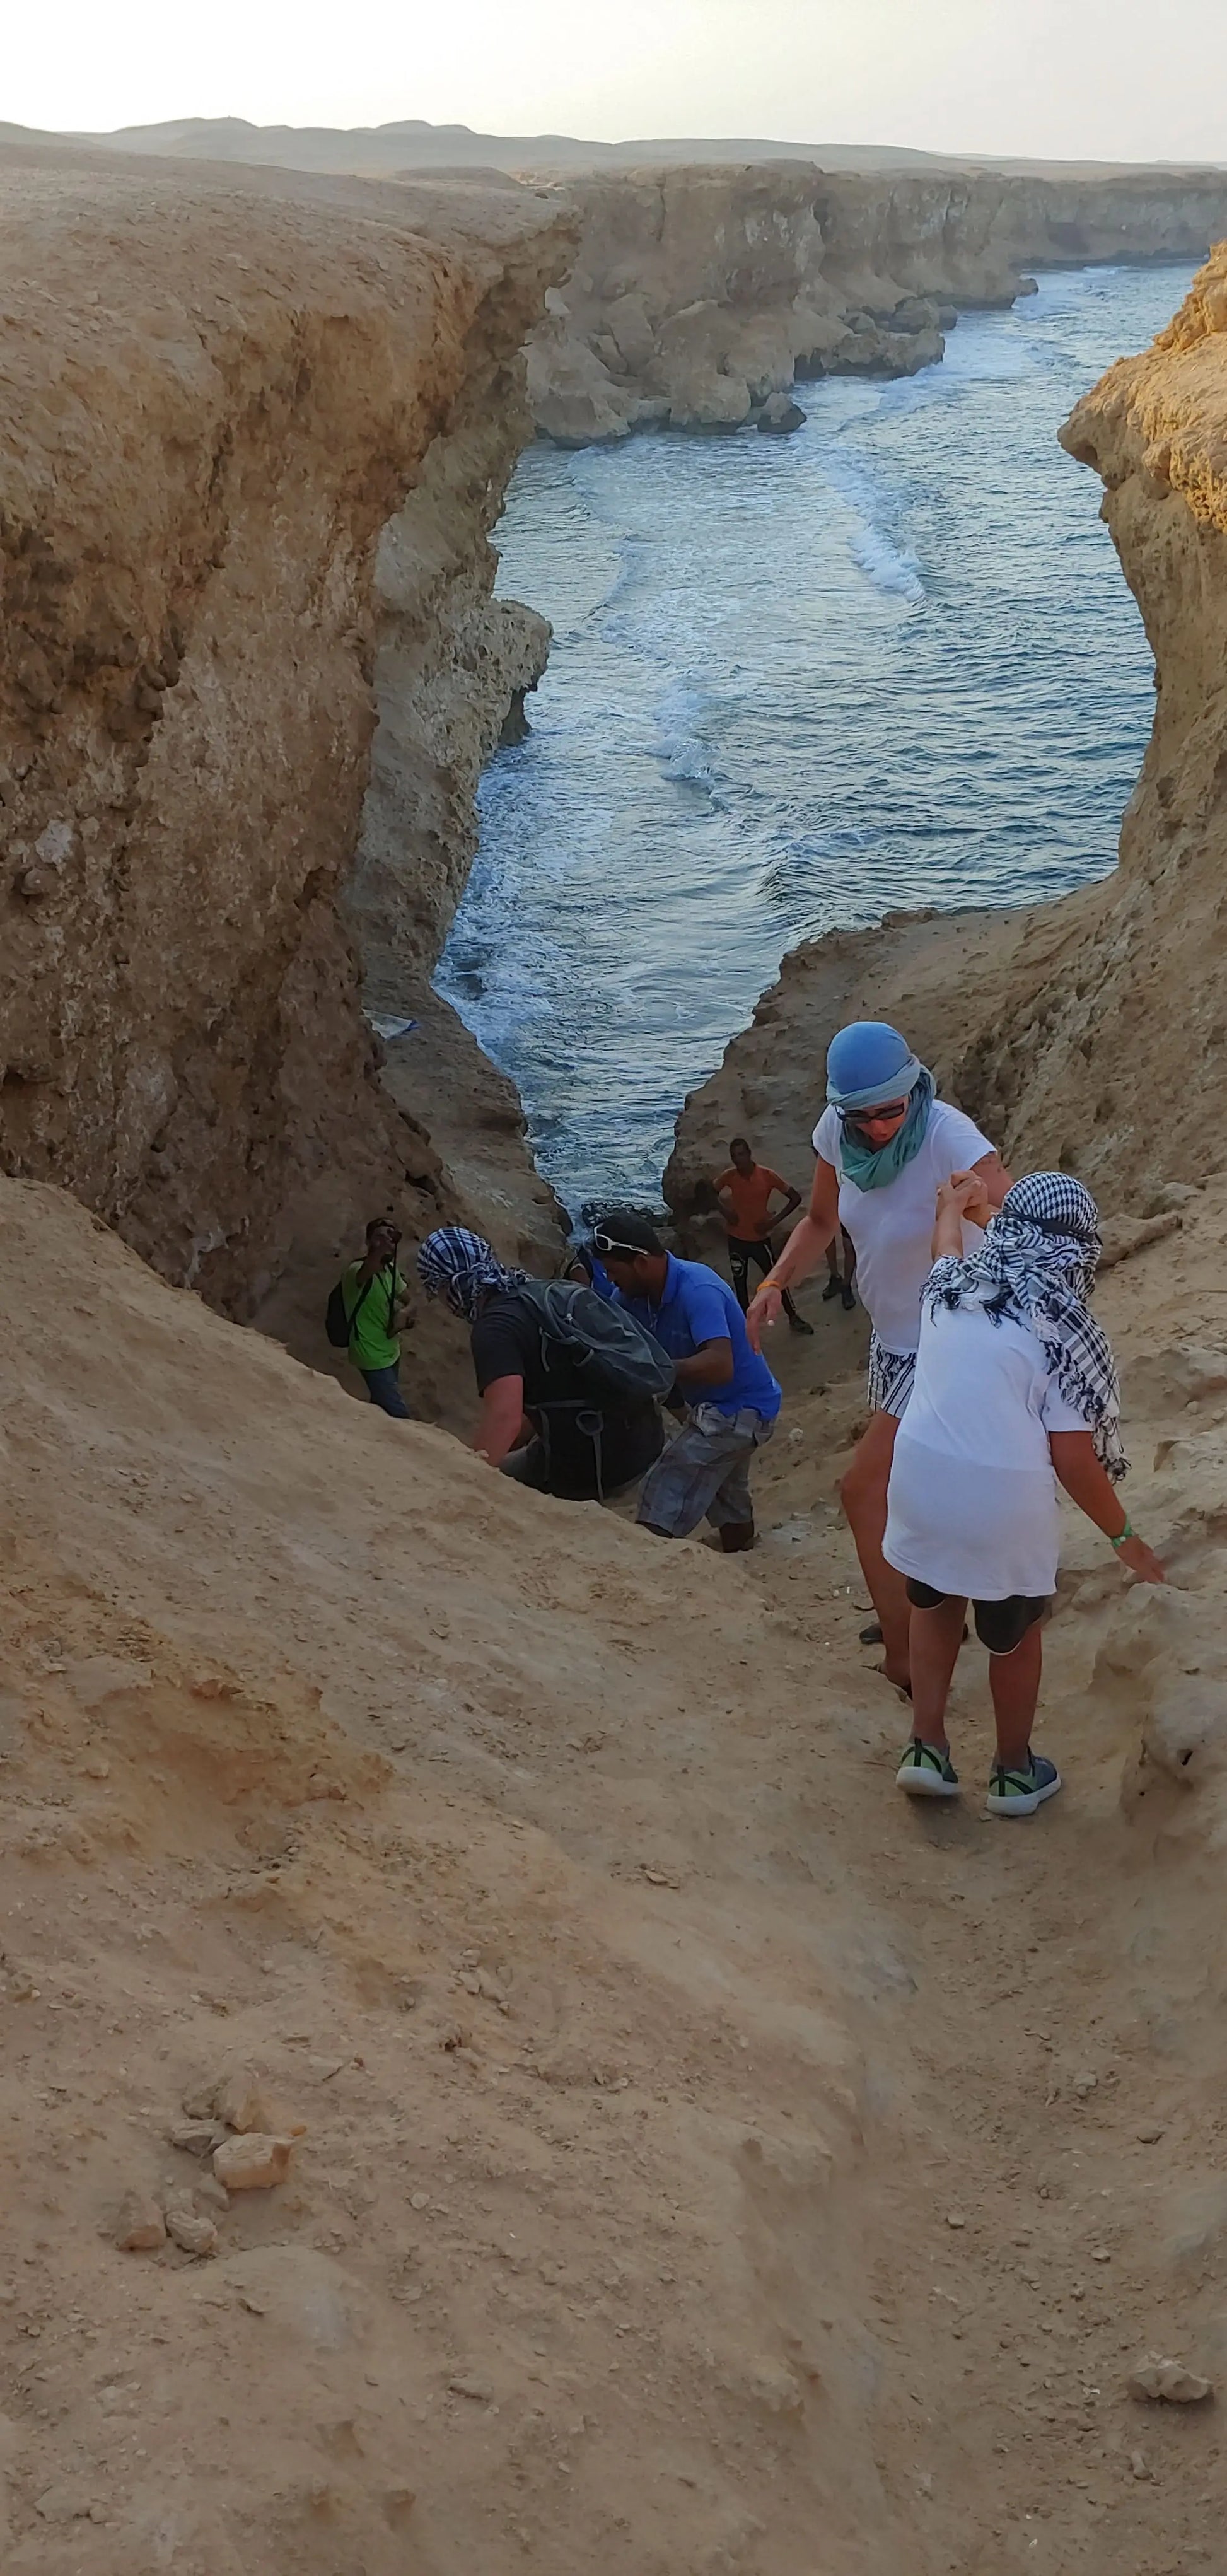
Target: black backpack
{"type": "Point", "coordinates": [339, 1325]}
{"type": "Point", "coordinates": [622, 1364]}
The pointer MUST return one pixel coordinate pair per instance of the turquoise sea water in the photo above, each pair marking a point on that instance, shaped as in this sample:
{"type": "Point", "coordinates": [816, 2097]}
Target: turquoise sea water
{"type": "Point", "coordinates": [796, 684]}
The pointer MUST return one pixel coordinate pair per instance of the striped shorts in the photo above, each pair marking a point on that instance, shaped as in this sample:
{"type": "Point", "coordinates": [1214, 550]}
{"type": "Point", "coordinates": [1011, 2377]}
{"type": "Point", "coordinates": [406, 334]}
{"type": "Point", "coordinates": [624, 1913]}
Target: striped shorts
{"type": "Point", "coordinates": [892, 1375]}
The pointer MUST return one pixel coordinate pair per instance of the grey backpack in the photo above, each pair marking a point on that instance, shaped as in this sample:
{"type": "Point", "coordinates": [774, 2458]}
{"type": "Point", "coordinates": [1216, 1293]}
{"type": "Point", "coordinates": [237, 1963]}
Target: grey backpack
{"type": "Point", "coordinates": [620, 1361]}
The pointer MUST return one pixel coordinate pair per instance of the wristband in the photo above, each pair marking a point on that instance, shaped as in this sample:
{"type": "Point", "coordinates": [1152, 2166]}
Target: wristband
{"type": "Point", "coordinates": [1121, 1536]}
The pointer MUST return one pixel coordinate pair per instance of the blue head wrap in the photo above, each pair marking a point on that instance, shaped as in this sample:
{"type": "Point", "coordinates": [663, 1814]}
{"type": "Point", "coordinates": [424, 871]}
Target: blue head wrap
{"type": "Point", "coordinates": [868, 1064]}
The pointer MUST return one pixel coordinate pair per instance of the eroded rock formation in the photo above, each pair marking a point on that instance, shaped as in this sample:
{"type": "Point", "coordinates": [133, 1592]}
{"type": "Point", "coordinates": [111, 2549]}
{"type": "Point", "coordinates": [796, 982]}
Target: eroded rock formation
{"type": "Point", "coordinates": [216, 392]}
{"type": "Point", "coordinates": [698, 293]}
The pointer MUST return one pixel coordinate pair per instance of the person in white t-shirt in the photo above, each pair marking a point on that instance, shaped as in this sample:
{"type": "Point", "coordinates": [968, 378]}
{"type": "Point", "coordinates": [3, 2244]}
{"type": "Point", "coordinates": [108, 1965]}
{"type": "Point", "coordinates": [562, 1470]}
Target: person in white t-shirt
{"type": "Point", "coordinates": [1015, 1387]}
{"type": "Point", "coordinates": [885, 1144]}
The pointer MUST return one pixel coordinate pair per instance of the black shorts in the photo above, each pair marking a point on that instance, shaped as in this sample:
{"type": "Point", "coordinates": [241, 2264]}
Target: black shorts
{"type": "Point", "coordinates": [1000, 1625]}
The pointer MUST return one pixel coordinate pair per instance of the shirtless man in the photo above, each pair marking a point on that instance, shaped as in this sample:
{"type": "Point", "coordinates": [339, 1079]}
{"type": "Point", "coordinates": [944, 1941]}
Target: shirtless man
{"type": "Point", "coordinates": [745, 1192]}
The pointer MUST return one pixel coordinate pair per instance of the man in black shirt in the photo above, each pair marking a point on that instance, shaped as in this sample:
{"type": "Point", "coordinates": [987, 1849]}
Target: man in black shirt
{"type": "Point", "coordinates": [538, 1422]}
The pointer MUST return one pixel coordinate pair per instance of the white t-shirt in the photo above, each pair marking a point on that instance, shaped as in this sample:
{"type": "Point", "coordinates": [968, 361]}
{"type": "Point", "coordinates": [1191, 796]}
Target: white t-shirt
{"type": "Point", "coordinates": [972, 1501]}
{"type": "Point", "coordinates": [892, 1228]}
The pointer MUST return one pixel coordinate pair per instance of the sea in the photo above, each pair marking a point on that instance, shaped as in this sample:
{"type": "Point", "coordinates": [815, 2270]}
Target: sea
{"type": "Point", "coordinates": [796, 684]}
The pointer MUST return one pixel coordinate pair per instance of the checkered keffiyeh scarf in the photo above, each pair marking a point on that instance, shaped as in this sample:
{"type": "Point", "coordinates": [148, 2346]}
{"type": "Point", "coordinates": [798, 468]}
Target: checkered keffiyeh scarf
{"type": "Point", "coordinates": [463, 1268]}
{"type": "Point", "coordinates": [1037, 1263]}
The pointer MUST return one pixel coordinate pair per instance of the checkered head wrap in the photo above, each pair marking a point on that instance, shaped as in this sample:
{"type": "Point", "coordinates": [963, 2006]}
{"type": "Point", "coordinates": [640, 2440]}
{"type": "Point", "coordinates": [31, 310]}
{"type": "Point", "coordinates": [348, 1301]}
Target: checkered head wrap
{"type": "Point", "coordinates": [463, 1268]}
{"type": "Point", "coordinates": [1037, 1263]}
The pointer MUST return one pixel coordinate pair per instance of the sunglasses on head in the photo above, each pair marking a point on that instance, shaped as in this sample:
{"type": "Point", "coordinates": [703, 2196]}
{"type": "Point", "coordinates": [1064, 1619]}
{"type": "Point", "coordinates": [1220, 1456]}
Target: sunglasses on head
{"type": "Point", "coordinates": [602, 1242]}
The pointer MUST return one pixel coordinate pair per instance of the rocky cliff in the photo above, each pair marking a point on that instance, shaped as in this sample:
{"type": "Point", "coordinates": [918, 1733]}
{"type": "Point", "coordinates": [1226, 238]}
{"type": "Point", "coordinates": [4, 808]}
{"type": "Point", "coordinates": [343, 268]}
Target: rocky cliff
{"type": "Point", "coordinates": [217, 393]}
{"type": "Point", "coordinates": [1091, 1032]}
{"type": "Point", "coordinates": [699, 293]}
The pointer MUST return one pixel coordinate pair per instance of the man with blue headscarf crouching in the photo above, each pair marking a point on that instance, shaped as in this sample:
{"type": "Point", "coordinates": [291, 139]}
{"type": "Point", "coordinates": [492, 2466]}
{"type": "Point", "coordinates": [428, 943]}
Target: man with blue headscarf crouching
{"type": "Point", "coordinates": [552, 1414]}
{"type": "Point", "coordinates": [731, 1398]}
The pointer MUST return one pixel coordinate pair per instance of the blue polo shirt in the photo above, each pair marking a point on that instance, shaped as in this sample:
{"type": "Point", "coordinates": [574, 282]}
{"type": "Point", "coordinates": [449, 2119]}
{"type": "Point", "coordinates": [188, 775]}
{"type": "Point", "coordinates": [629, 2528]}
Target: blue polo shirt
{"type": "Point", "coordinates": [698, 1306]}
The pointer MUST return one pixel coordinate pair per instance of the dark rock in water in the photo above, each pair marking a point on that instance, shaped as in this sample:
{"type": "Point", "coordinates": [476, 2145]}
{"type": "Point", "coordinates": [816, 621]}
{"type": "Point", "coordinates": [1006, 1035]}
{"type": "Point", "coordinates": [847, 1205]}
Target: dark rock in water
{"type": "Point", "coordinates": [780, 416]}
{"type": "Point", "coordinates": [912, 313]}
{"type": "Point", "coordinates": [947, 316]}
{"type": "Point", "coordinates": [1028, 286]}
{"type": "Point", "coordinates": [516, 727]}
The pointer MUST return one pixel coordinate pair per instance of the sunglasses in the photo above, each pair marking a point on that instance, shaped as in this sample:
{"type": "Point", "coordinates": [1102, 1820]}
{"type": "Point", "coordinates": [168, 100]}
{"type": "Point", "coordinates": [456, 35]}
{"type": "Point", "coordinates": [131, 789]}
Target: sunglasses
{"type": "Point", "coordinates": [872, 1117]}
{"type": "Point", "coordinates": [602, 1242]}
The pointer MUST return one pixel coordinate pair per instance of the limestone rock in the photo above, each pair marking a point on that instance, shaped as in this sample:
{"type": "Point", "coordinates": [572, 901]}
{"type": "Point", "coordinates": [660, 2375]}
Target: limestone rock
{"type": "Point", "coordinates": [245, 2101]}
{"type": "Point", "coordinates": [188, 2229]}
{"type": "Point", "coordinates": [780, 416]}
{"type": "Point", "coordinates": [253, 2163]}
{"type": "Point", "coordinates": [139, 2225]}
{"type": "Point", "coordinates": [67, 2503]}
{"type": "Point", "coordinates": [1168, 2383]}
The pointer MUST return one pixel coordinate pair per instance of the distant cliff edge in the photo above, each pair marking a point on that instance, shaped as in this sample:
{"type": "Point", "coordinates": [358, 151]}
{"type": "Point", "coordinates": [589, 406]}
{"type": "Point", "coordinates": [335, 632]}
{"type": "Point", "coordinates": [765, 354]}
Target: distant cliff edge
{"type": "Point", "coordinates": [700, 293]}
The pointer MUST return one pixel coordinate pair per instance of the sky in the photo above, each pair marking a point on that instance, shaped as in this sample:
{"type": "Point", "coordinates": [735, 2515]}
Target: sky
{"type": "Point", "coordinates": [1057, 79]}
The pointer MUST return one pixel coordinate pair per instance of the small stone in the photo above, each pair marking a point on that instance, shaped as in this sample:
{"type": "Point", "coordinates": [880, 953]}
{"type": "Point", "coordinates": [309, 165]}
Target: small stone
{"type": "Point", "coordinates": [955, 2218]}
{"type": "Point", "coordinates": [1100, 2254]}
{"type": "Point", "coordinates": [252, 2162]}
{"type": "Point", "coordinates": [1086, 2082]}
{"type": "Point", "coordinates": [479, 2390]}
{"type": "Point", "coordinates": [1138, 2465]}
{"type": "Point", "coordinates": [244, 2101]}
{"type": "Point", "coordinates": [1149, 2132]}
{"type": "Point", "coordinates": [196, 2137]}
{"type": "Point", "coordinates": [419, 2200]}
{"type": "Point", "coordinates": [207, 2193]}
{"type": "Point", "coordinates": [188, 2229]}
{"type": "Point", "coordinates": [64, 2504]}
{"type": "Point", "coordinates": [1168, 2383]}
{"type": "Point", "coordinates": [139, 2226]}
{"type": "Point", "coordinates": [324, 2068]}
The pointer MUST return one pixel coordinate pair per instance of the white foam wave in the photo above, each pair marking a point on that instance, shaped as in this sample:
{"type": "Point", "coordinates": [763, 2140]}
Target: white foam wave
{"type": "Point", "coordinates": [681, 750]}
{"type": "Point", "coordinates": [890, 567]}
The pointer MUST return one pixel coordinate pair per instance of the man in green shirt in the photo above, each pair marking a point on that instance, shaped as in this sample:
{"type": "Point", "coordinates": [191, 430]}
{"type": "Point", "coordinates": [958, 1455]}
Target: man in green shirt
{"type": "Point", "coordinates": [373, 1291]}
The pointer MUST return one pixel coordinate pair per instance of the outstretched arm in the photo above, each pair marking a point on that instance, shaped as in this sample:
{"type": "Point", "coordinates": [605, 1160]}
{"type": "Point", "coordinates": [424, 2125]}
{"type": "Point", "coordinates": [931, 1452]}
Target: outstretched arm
{"type": "Point", "coordinates": [802, 1253]}
{"type": "Point", "coordinates": [1089, 1485]}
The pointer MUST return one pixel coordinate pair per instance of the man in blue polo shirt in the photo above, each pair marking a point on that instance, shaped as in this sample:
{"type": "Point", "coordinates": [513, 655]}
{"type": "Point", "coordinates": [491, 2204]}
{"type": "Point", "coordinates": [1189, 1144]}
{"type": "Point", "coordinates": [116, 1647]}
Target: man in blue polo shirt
{"type": "Point", "coordinates": [730, 1395]}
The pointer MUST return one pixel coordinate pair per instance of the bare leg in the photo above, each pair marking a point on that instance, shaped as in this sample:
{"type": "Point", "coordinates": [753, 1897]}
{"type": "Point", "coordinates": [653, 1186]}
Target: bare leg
{"type": "Point", "coordinates": [1015, 1684]}
{"type": "Point", "coordinates": [863, 1495]}
{"type": "Point", "coordinates": [936, 1638]}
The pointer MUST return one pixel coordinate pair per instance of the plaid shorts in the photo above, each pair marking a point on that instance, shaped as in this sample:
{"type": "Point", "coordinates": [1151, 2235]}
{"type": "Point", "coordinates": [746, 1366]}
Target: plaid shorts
{"type": "Point", "coordinates": [892, 1375]}
{"type": "Point", "coordinates": [705, 1473]}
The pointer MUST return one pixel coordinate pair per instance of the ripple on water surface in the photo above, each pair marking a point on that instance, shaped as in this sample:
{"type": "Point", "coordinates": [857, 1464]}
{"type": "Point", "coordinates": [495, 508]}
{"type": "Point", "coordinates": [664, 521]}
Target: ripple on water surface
{"type": "Point", "coordinates": [795, 684]}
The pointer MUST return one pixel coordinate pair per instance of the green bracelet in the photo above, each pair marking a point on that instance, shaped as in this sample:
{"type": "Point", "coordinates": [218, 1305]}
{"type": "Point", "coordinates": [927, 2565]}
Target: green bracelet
{"type": "Point", "coordinates": [1127, 1532]}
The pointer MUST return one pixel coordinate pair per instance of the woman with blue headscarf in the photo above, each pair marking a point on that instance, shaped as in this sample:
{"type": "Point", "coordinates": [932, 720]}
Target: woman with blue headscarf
{"type": "Point", "coordinates": [885, 1144]}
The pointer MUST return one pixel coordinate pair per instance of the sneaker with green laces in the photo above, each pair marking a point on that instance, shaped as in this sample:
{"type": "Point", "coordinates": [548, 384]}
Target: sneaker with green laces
{"type": "Point", "coordinates": [927, 1772]}
{"type": "Point", "coordinates": [1019, 1793]}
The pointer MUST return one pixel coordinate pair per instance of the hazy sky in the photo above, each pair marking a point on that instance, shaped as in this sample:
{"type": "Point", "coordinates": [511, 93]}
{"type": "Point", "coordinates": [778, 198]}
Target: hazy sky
{"type": "Point", "coordinates": [1109, 79]}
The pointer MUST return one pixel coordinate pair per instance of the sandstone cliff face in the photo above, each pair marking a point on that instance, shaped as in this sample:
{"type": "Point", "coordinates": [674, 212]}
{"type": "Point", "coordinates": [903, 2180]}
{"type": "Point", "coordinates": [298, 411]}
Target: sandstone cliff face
{"type": "Point", "coordinates": [699, 293]}
{"type": "Point", "coordinates": [215, 394]}
{"type": "Point", "coordinates": [1111, 1046]}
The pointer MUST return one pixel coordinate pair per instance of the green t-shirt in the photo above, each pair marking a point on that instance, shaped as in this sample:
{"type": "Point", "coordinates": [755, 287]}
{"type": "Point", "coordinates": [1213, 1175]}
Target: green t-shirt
{"type": "Point", "coordinates": [372, 1343]}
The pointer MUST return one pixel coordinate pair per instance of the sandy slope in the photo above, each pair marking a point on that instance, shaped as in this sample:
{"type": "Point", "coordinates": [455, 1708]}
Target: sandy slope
{"type": "Point", "coordinates": [647, 2043]}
